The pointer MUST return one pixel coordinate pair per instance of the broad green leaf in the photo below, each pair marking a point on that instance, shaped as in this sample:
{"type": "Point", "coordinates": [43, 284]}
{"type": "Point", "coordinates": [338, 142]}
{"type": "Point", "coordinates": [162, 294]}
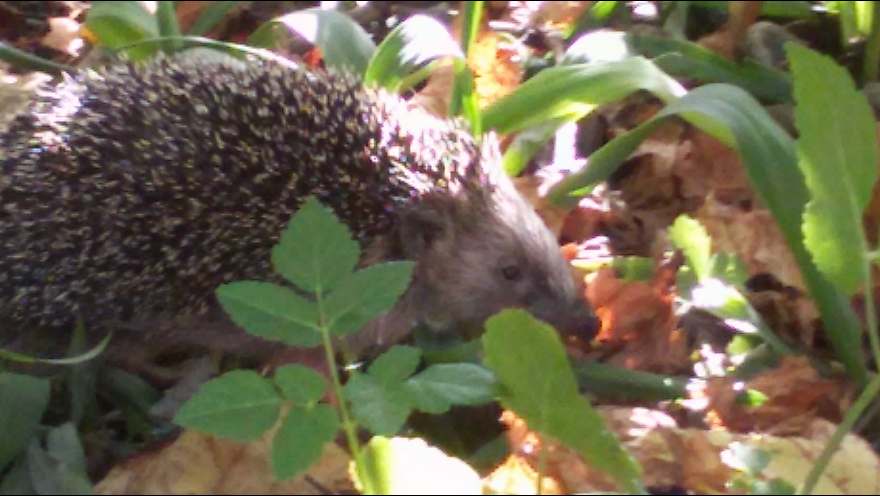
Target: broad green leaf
{"type": "Point", "coordinates": [239, 405]}
{"type": "Point", "coordinates": [837, 148]}
{"type": "Point", "coordinates": [768, 154]}
{"type": "Point", "coordinates": [300, 384]}
{"type": "Point", "coordinates": [381, 408]}
{"type": "Point", "coordinates": [23, 399]}
{"type": "Point", "coordinates": [689, 60]}
{"type": "Point", "coordinates": [365, 295]}
{"type": "Point", "coordinates": [693, 240]}
{"type": "Point", "coordinates": [537, 382]}
{"type": "Point", "coordinates": [411, 466]}
{"type": "Point", "coordinates": [117, 24]}
{"type": "Point", "coordinates": [52, 475]}
{"type": "Point", "coordinates": [464, 99]}
{"type": "Point", "coordinates": [412, 44]}
{"type": "Point", "coordinates": [572, 91]}
{"type": "Point", "coordinates": [316, 250]}
{"type": "Point", "coordinates": [343, 43]}
{"type": "Point", "coordinates": [301, 440]}
{"type": "Point", "coordinates": [211, 16]}
{"type": "Point", "coordinates": [440, 386]}
{"type": "Point", "coordinates": [396, 365]}
{"type": "Point", "coordinates": [271, 312]}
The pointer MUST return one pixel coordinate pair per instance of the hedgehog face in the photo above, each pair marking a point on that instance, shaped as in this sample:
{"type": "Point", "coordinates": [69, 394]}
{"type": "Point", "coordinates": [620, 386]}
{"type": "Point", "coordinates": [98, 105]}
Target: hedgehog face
{"type": "Point", "coordinates": [486, 250]}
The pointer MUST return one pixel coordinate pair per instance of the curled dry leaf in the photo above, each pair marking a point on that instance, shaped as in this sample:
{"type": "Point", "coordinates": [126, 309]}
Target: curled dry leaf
{"type": "Point", "coordinates": [496, 71]}
{"type": "Point", "coordinates": [691, 460]}
{"type": "Point", "coordinates": [638, 318]}
{"type": "Point", "coordinates": [796, 396]}
{"type": "Point", "coordinates": [197, 463]}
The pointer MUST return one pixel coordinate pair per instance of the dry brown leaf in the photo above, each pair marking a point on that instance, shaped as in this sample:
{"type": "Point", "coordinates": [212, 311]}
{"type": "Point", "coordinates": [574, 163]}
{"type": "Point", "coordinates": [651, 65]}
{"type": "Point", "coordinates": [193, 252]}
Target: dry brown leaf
{"type": "Point", "coordinates": [198, 463]}
{"type": "Point", "coordinates": [694, 460]}
{"type": "Point", "coordinates": [637, 317]}
{"type": "Point", "coordinates": [796, 396]}
{"type": "Point", "coordinates": [496, 71]}
{"type": "Point", "coordinates": [727, 40]}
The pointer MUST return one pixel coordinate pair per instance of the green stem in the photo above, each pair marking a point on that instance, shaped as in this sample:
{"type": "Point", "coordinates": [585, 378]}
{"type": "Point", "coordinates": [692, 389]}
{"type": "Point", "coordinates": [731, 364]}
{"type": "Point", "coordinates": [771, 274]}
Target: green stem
{"type": "Point", "coordinates": [849, 420]}
{"type": "Point", "coordinates": [348, 424]}
{"type": "Point", "coordinates": [871, 65]}
{"type": "Point", "coordinates": [871, 312]}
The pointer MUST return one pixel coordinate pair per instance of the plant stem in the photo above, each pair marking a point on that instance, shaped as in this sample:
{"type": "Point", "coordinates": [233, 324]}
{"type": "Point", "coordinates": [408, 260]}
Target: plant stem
{"type": "Point", "coordinates": [347, 424]}
{"type": "Point", "coordinates": [871, 311]}
{"type": "Point", "coordinates": [849, 420]}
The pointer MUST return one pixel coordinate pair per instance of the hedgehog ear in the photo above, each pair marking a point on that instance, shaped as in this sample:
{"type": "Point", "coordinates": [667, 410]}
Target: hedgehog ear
{"type": "Point", "coordinates": [425, 226]}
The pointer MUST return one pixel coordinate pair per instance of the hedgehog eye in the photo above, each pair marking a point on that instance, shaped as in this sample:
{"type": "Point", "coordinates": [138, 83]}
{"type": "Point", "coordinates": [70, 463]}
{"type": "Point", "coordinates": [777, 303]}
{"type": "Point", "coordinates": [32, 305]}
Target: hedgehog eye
{"type": "Point", "coordinates": [511, 272]}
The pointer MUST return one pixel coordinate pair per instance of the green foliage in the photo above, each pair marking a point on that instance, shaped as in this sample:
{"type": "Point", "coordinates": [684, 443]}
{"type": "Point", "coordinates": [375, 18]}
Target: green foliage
{"type": "Point", "coordinates": [343, 43]}
{"type": "Point", "coordinates": [117, 24]}
{"type": "Point", "coordinates": [24, 399]}
{"type": "Point", "coordinates": [383, 398]}
{"type": "Point", "coordinates": [211, 16]}
{"type": "Point", "coordinates": [837, 149]}
{"type": "Point", "coordinates": [60, 468]}
{"type": "Point", "coordinates": [736, 119]}
{"type": "Point", "coordinates": [537, 383]}
{"type": "Point", "coordinates": [411, 46]}
{"type": "Point", "coordinates": [750, 462]}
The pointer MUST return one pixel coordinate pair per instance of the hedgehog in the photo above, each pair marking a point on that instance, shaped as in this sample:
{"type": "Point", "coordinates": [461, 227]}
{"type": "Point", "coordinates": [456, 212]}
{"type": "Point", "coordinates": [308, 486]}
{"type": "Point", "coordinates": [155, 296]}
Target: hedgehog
{"type": "Point", "coordinates": [132, 192]}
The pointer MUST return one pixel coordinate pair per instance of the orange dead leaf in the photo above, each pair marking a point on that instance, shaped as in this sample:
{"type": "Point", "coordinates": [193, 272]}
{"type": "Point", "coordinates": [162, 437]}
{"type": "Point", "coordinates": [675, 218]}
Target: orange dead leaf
{"type": "Point", "coordinates": [796, 396]}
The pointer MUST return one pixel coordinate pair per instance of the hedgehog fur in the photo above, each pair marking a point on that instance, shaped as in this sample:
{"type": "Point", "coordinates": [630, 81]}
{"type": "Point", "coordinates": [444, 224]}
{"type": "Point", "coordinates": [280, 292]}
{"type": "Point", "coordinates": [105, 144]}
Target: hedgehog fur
{"type": "Point", "coordinates": [137, 189]}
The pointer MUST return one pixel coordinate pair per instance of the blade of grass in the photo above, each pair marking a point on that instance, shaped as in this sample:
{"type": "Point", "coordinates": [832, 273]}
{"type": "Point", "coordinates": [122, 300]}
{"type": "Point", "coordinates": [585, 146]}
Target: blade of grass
{"type": "Point", "coordinates": [166, 16]}
{"type": "Point", "coordinates": [211, 16]}
{"type": "Point", "coordinates": [24, 60]}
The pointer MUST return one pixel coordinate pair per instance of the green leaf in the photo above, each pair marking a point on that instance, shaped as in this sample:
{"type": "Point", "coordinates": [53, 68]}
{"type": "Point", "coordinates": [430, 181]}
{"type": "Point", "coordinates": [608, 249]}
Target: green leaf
{"type": "Point", "coordinates": [412, 44]}
{"type": "Point", "coordinates": [301, 439]}
{"type": "Point", "coordinates": [51, 475]}
{"type": "Point", "coordinates": [538, 384]}
{"type": "Point", "coordinates": [689, 60]}
{"type": "Point", "coordinates": [343, 43]}
{"type": "Point", "coordinates": [63, 443]}
{"type": "Point", "coordinates": [751, 398]}
{"type": "Point", "coordinates": [239, 405]}
{"type": "Point", "coordinates": [838, 157]}
{"type": "Point", "coordinates": [316, 251]}
{"type": "Point", "coordinates": [411, 466]}
{"type": "Point", "coordinates": [166, 16]}
{"type": "Point", "coordinates": [440, 386]}
{"type": "Point", "coordinates": [731, 115]}
{"type": "Point", "coordinates": [572, 91]}
{"type": "Point", "coordinates": [23, 399]}
{"type": "Point", "coordinates": [26, 61]}
{"type": "Point", "coordinates": [692, 239]}
{"type": "Point", "coordinates": [116, 24]}
{"type": "Point", "coordinates": [396, 365]}
{"type": "Point", "coordinates": [271, 312]}
{"type": "Point", "coordinates": [211, 16]}
{"type": "Point", "coordinates": [365, 295]}
{"type": "Point", "coordinates": [381, 408]}
{"type": "Point", "coordinates": [300, 384]}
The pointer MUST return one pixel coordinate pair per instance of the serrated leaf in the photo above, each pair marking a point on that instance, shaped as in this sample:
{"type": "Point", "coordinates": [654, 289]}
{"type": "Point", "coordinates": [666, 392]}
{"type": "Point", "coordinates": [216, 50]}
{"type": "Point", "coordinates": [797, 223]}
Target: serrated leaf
{"type": "Point", "coordinates": [396, 365]}
{"type": "Point", "coordinates": [538, 384]}
{"type": "Point", "coordinates": [343, 43]}
{"type": "Point", "coordinates": [411, 466]}
{"type": "Point", "coordinates": [365, 295]}
{"type": "Point", "coordinates": [412, 44]}
{"type": "Point", "coordinates": [381, 408]}
{"type": "Point", "coordinates": [23, 399]}
{"type": "Point", "coordinates": [316, 250]}
{"type": "Point", "coordinates": [301, 440]}
{"type": "Point", "coordinates": [300, 384]}
{"type": "Point", "coordinates": [837, 148]}
{"type": "Point", "coordinates": [239, 405]}
{"type": "Point", "coordinates": [271, 312]}
{"type": "Point", "coordinates": [440, 386]}
{"type": "Point", "coordinates": [692, 239]}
